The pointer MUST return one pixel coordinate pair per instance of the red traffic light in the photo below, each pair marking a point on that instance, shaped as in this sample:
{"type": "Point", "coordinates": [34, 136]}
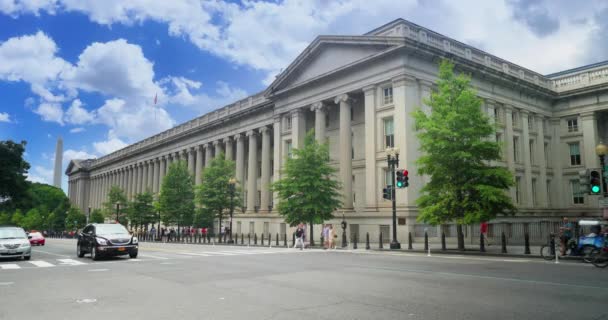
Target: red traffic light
{"type": "Point", "coordinates": [405, 173]}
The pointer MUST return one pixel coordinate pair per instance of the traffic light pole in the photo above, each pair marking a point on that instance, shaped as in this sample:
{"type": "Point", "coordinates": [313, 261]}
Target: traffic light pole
{"type": "Point", "coordinates": [393, 162]}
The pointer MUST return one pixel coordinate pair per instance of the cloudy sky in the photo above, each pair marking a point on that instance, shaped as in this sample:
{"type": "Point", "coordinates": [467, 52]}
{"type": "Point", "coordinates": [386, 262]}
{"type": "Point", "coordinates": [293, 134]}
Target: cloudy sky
{"type": "Point", "coordinates": [89, 70]}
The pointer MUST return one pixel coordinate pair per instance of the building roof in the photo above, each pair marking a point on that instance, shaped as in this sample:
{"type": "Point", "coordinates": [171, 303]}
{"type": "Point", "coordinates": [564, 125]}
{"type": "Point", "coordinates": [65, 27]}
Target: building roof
{"type": "Point", "coordinates": [578, 69]}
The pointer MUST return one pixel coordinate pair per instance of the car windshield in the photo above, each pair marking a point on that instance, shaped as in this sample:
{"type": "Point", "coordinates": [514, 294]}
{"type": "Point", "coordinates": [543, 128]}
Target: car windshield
{"type": "Point", "coordinates": [12, 233]}
{"type": "Point", "coordinates": [111, 229]}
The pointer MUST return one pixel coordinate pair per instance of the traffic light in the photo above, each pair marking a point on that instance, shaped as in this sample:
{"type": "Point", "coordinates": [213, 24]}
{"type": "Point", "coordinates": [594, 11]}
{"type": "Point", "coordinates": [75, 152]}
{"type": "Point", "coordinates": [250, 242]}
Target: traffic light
{"type": "Point", "coordinates": [402, 178]}
{"type": "Point", "coordinates": [583, 180]}
{"type": "Point", "coordinates": [387, 193]}
{"type": "Point", "coordinates": [595, 182]}
{"type": "Point", "coordinates": [406, 179]}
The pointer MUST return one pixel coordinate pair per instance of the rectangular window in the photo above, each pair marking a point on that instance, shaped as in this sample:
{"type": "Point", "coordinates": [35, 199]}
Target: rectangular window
{"type": "Point", "coordinates": [498, 115]}
{"type": "Point", "coordinates": [548, 193]}
{"type": "Point", "coordinates": [531, 123]}
{"type": "Point", "coordinates": [514, 118]}
{"type": "Point", "coordinates": [546, 154]}
{"type": "Point", "coordinates": [388, 95]}
{"type": "Point", "coordinates": [577, 194]}
{"type": "Point", "coordinates": [517, 190]}
{"type": "Point", "coordinates": [288, 122]}
{"type": "Point", "coordinates": [352, 114]}
{"type": "Point", "coordinates": [516, 149]}
{"type": "Point", "coordinates": [575, 154]}
{"type": "Point", "coordinates": [289, 147]}
{"type": "Point", "coordinates": [572, 125]}
{"type": "Point", "coordinates": [531, 151]}
{"type": "Point", "coordinates": [271, 168]}
{"type": "Point", "coordinates": [259, 168]}
{"type": "Point", "coordinates": [389, 133]}
{"type": "Point", "coordinates": [327, 119]}
{"type": "Point", "coordinates": [258, 199]}
{"type": "Point", "coordinates": [533, 192]}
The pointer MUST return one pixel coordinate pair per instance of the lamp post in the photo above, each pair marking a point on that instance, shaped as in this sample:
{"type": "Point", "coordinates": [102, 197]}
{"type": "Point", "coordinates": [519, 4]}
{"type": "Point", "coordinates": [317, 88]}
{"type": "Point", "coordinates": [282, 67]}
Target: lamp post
{"type": "Point", "coordinates": [88, 215]}
{"type": "Point", "coordinates": [231, 187]}
{"type": "Point", "coordinates": [392, 157]}
{"type": "Point", "coordinates": [117, 209]}
{"type": "Point", "coordinates": [602, 150]}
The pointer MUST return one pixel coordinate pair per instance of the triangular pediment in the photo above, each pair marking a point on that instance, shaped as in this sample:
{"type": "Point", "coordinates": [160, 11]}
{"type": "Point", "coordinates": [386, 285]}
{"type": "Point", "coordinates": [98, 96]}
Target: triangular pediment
{"type": "Point", "coordinates": [329, 54]}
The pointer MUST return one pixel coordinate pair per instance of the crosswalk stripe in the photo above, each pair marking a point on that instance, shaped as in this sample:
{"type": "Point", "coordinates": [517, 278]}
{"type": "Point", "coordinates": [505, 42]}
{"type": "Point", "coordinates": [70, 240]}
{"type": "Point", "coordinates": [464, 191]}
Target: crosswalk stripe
{"type": "Point", "coordinates": [9, 266]}
{"type": "Point", "coordinates": [70, 262]}
{"type": "Point", "coordinates": [153, 257]}
{"type": "Point", "coordinates": [41, 264]}
{"type": "Point", "coordinates": [193, 254]}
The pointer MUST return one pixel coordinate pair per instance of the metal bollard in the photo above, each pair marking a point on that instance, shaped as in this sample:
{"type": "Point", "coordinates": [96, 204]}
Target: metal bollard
{"type": "Point", "coordinates": [285, 239]}
{"type": "Point", "coordinates": [354, 241]}
{"type": "Point", "coordinates": [552, 244]}
{"type": "Point", "coordinates": [293, 240]}
{"type": "Point", "coordinates": [277, 242]}
{"type": "Point", "coordinates": [482, 245]}
{"type": "Point", "coordinates": [426, 241]}
{"type": "Point", "coordinates": [503, 239]}
{"type": "Point", "coordinates": [367, 247]}
{"type": "Point", "coordinates": [269, 239]}
{"type": "Point", "coordinates": [322, 240]}
{"type": "Point", "coordinates": [409, 241]}
{"type": "Point", "coordinates": [526, 243]}
{"type": "Point", "coordinates": [242, 239]}
{"type": "Point", "coordinates": [248, 239]}
{"type": "Point", "coordinates": [380, 245]}
{"type": "Point", "coordinates": [255, 239]}
{"type": "Point", "coordinates": [443, 241]}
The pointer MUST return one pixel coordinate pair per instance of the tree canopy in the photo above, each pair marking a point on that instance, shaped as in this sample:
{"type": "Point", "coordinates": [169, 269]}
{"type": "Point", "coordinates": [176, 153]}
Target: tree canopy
{"type": "Point", "coordinates": [141, 210]}
{"type": "Point", "coordinates": [13, 172]}
{"type": "Point", "coordinates": [116, 195]}
{"type": "Point", "coordinates": [456, 154]}
{"type": "Point", "coordinates": [214, 194]}
{"type": "Point", "coordinates": [75, 219]}
{"type": "Point", "coordinates": [176, 200]}
{"type": "Point", "coordinates": [308, 190]}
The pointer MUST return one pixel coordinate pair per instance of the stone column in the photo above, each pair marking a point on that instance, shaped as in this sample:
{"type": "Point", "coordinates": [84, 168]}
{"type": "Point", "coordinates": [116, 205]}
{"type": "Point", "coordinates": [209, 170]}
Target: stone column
{"type": "Point", "coordinates": [144, 178]}
{"type": "Point", "coordinates": [370, 146]}
{"type": "Point", "coordinates": [217, 145]}
{"type": "Point", "coordinates": [155, 175]}
{"type": "Point", "coordinates": [542, 164]}
{"type": "Point", "coordinates": [161, 172]}
{"type": "Point", "coordinates": [149, 184]}
{"type": "Point", "coordinates": [590, 140]}
{"type": "Point", "coordinates": [208, 155]}
{"type": "Point", "coordinates": [138, 179]}
{"type": "Point", "coordinates": [276, 129]}
{"type": "Point", "coordinates": [557, 164]}
{"type": "Point", "coordinates": [527, 188]}
{"type": "Point", "coordinates": [252, 170]}
{"type": "Point", "coordinates": [265, 181]}
{"type": "Point", "coordinates": [298, 128]}
{"type": "Point", "coordinates": [191, 164]}
{"type": "Point", "coordinates": [129, 191]}
{"type": "Point", "coordinates": [319, 110]}
{"type": "Point", "coordinates": [228, 146]}
{"type": "Point", "coordinates": [240, 160]}
{"type": "Point", "coordinates": [510, 146]}
{"type": "Point", "coordinates": [199, 165]}
{"type": "Point", "coordinates": [346, 164]}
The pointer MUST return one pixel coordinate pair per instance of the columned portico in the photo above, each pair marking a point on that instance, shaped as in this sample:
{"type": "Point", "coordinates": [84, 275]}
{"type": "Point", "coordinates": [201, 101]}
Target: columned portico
{"type": "Point", "coordinates": [319, 110]}
{"type": "Point", "coordinates": [276, 129]}
{"type": "Point", "coordinates": [527, 188]}
{"type": "Point", "coordinates": [371, 192]}
{"type": "Point", "coordinates": [218, 148]}
{"type": "Point", "coordinates": [265, 181]}
{"type": "Point", "coordinates": [161, 172]}
{"type": "Point", "coordinates": [252, 170]}
{"type": "Point", "coordinates": [240, 160]}
{"type": "Point", "coordinates": [199, 165]}
{"type": "Point", "coordinates": [208, 155]}
{"type": "Point", "coordinates": [346, 165]}
{"type": "Point", "coordinates": [155, 178]}
{"type": "Point", "coordinates": [228, 144]}
{"type": "Point", "coordinates": [191, 164]}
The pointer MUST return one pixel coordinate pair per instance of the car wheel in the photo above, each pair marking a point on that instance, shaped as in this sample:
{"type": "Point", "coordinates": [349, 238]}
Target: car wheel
{"type": "Point", "coordinates": [27, 258]}
{"type": "Point", "coordinates": [94, 253]}
{"type": "Point", "coordinates": [79, 251]}
{"type": "Point", "coordinates": [133, 255]}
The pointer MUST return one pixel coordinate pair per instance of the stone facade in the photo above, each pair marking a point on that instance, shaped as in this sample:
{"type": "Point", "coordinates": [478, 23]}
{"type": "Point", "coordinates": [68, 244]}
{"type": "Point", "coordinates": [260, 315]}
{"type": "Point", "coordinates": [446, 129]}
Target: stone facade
{"type": "Point", "coordinates": [358, 92]}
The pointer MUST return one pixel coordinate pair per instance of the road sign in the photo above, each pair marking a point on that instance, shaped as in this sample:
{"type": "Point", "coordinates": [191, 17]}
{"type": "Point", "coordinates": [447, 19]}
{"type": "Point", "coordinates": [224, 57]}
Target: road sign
{"type": "Point", "coordinates": [604, 202]}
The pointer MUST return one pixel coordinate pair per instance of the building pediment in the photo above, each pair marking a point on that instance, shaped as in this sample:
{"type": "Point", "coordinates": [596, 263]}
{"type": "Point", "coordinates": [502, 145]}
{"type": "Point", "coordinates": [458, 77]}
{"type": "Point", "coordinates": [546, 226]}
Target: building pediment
{"type": "Point", "coordinates": [327, 55]}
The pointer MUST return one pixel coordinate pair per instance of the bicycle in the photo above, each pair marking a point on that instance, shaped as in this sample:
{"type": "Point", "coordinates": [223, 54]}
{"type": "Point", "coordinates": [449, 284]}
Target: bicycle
{"type": "Point", "coordinates": [547, 251]}
{"type": "Point", "coordinates": [599, 256]}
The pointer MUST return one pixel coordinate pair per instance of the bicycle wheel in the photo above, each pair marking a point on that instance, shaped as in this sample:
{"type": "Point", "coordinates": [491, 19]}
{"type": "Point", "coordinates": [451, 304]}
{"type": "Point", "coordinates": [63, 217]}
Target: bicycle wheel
{"type": "Point", "coordinates": [545, 252]}
{"type": "Point", "coordinates": [600, 259]}
{"type": "Point", "coordinates": [586, 252]}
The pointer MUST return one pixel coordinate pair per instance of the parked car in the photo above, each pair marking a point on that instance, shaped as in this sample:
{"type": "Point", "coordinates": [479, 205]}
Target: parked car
{"type": "Point", "coordinates": [14, 243]}
{"type": "Point", "coordinates": [106, 239]}
{"type": "Point", "coordinates": [36, 238]}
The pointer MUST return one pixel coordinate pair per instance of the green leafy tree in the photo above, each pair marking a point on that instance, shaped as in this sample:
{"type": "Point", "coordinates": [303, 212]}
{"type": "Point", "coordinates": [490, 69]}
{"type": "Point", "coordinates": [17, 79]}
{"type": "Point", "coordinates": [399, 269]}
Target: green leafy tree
{"type": "Point", "coordinates": [17, 218]}
{"type": "Point", "coordinates": [96, 216]}
{"type": "Point", "coordinates": [116, 195]}
{"type": "Point", "coordinates": [33, 220]}
{"type": "Point", "coordinates": [75, 219]}
{"type": "Point", "coordinates": [13, 172]}
{"type": "Point", "coordinates": [215, 195]}
{"type": "Point", "coordinates": [308, 190]}
{"type": "Point", "coordinates": [45, 197]}
{"type": "Point", "coordinates": [176, 201]}
{"type": "Point", "coordinates": [56, 219]}
{"type": "Point", "coordinates": [456, 154]}
{"type": "Point", "coordinates": [141, 210]}
{"type": "Point", "coordinates": [5, 218]}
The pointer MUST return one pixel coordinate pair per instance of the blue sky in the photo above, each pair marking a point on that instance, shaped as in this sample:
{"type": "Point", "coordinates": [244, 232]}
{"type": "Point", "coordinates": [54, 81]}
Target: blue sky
{"type": "Point", "coordinates": [89, 70]}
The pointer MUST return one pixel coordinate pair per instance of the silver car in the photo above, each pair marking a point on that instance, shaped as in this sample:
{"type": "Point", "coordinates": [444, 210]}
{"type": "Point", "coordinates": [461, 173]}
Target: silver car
{"type": "Point", "coordinates": [14, 243]}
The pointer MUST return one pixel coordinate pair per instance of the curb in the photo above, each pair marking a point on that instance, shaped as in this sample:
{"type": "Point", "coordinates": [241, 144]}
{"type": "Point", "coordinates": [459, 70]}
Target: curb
{"type": "Point", "coordinates": [476, 253]}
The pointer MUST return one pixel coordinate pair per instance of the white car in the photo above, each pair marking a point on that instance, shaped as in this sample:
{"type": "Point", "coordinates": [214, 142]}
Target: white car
{"type": "Point", "coordinates": [14, 243]}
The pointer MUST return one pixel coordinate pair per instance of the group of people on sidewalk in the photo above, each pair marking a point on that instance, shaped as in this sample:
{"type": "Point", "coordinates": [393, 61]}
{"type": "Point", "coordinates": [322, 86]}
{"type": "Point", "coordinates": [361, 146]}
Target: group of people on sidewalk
{"type": "Point", "coordinates": [329, 236]}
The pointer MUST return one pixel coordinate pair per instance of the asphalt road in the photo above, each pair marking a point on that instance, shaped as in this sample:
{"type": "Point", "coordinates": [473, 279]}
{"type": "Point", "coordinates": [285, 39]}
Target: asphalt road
{"type": "Point", "coordinates": [171, 281]}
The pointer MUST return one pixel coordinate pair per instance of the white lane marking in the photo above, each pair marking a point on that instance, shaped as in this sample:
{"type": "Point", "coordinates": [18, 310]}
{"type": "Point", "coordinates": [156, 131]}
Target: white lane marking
{"type": "Point", "coordinates": [70, 262]}
{"type": "Point", "coordinates": [98, 270]}
{"type": "Point", "coordinates": [153, 257]}
{"type": "Point", "coordinates": [86, 300]}
{"type": "Point", "coordinates": [6, 283]}
{"type": "Point", "coordinates": [54, 254]}
{"type": "Point", "coordinates": [41, 264]}
{"type": "Point", "coordinates": [135, 260]}
{"type": "Point", "coordinates": [193, 254]}
{"type": "Point", "coordinates": [9, 266]}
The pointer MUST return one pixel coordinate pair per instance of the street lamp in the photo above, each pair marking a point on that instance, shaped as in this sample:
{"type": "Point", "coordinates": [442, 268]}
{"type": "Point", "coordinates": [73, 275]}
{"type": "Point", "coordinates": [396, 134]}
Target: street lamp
{"type": "Point", "coordinates": [231, 187]}
{"type": "Point", "coordinates": [392, 157]}
{"type": "Point", "coordinates": [88, 215]}
{"type": "Point", "coordinates": [602, 150]}
{"type": "Point", "coordinates": [117, 209]}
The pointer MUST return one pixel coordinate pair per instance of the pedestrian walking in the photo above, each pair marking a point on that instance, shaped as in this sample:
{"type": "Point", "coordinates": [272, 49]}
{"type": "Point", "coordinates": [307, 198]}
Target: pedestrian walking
{"type": "Point", "coordinates": [332, 236]}
{"type": "Point", "coordinates": [152, 233]}
{"type": "Point", "coordinates": [299, 237]}
{"type": "Point", "coordinates": [566, 235]}
{"type": "Point", "coordinates": [326, 236]}
{"type": "Point", "coordinates": [483, 229]}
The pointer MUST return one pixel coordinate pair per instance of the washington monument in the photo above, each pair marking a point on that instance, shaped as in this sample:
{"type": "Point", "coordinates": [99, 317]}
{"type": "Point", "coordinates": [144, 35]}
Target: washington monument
{"type": "Point", "coordinates": [58, 160]}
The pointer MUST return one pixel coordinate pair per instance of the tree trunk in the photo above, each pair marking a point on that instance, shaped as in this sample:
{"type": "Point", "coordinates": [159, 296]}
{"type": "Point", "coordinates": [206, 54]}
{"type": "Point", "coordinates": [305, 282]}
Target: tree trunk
{"type": "Point", "coordinates": [460, 237]}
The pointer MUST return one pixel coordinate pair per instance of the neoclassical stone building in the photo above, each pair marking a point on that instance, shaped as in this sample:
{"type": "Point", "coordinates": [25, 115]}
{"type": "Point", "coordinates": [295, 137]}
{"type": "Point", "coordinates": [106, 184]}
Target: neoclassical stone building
{"type": "Point", "coordinates": [358, 92]}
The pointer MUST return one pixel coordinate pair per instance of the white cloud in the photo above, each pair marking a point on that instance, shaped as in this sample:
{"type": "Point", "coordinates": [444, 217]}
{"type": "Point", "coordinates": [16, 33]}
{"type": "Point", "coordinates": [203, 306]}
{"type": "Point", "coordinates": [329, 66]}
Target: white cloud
{"type": "Point", "coordinates": [5, 117]}
{"type": "Point", "coordinates": [182, 91]}
{"type": "Point", "coordinates": [41, 175]}
{"type": "Point", "coordinates": [109, 146]}
{"type": "Point", "coordinates": [77, 130]}
{"type": "Point", "coordinates": [16, 7]}
{"type": "Point", "coordinates": [133, 121]}
{"type": "Point", "coordinates": [71, 154]}
{"type": "Point", "coordinates": [78, 115]}
{"type": "Point", "coordinates": [51, 112]}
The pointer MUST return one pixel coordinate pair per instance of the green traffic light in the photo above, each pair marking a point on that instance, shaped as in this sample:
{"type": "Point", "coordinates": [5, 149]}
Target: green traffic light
{"type": "Point", "coordinates": [399, 184]}
{"type": "Point", "coordinates": [595, 189]}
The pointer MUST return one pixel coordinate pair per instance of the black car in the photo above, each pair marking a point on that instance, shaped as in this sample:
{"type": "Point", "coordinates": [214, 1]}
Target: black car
{"type": "Point", "coordinates": [106, 239]}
